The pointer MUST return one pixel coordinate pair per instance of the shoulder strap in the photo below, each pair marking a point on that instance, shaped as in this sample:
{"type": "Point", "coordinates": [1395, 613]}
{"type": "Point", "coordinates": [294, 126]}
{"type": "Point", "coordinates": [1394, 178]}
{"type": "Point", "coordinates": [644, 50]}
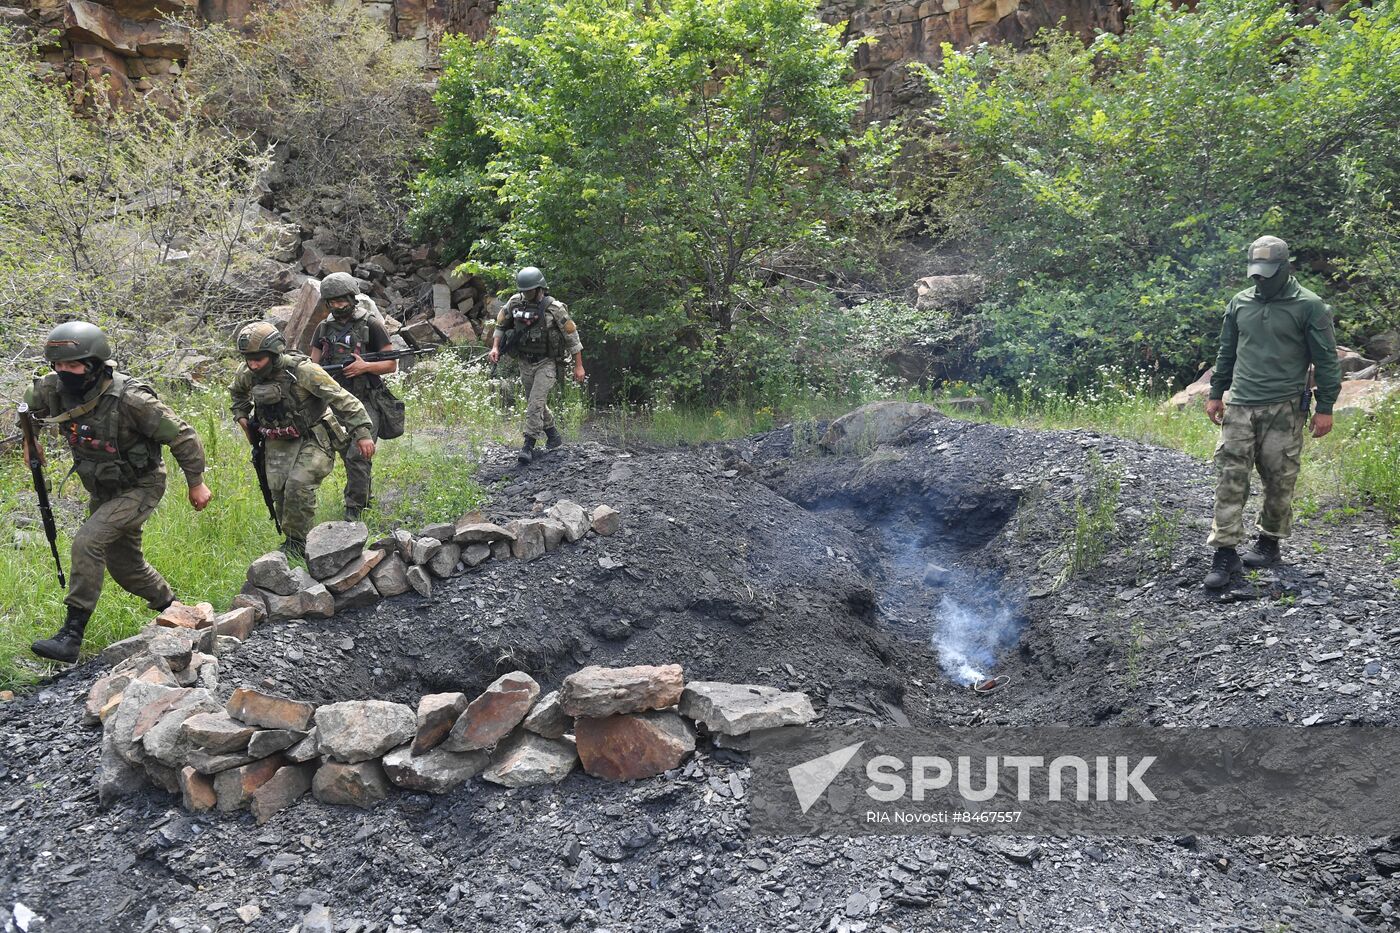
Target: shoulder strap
{"type": "Point", "coordinates": [91, 404]}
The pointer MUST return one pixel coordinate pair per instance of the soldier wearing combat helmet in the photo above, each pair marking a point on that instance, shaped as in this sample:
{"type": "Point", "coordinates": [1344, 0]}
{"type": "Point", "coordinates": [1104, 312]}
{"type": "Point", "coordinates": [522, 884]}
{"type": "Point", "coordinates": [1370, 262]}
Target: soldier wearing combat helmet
{"type": "Point", "coordinates": [115, 427]}
{"type": "Point", "coordinates": [303, 417]}
{"type": "Point", "coordinates": [536, 328]}
{"type": "Point", "coordinates": [342, 339]}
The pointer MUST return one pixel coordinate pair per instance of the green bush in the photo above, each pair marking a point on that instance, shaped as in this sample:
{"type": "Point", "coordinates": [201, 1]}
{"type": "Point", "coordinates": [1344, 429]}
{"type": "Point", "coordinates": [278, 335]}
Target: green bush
{"type": "Point", "coordinates": [1107, 193]}
{"type": "Point", "coordinates": [658, 160]}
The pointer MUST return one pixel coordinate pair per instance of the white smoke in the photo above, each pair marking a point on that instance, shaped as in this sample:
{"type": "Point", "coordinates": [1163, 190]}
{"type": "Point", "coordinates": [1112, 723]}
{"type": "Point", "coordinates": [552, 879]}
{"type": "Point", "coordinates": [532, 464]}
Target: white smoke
{"type": "Point", "coordinates": [968, 641]}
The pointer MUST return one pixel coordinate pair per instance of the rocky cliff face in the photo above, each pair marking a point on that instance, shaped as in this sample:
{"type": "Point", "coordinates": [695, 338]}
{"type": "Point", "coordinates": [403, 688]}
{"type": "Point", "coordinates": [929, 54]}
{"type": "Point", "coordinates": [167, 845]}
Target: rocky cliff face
{"type": "Point", "coordinates": [915, 30]}
{"type": "Point", "coordinates": [132, 47]}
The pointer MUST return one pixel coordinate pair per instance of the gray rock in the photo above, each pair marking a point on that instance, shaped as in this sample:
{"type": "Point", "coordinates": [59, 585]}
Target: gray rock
{"type": "Point", "coordinates": [445, 560]}
{"type": "Point", "coordinates": [226, 644]}
{"type": "Point", "coordinates": [305, 750]}
{"type": "Point", "coordinates": [419, 580]}
{"type": "Point", "coordinates": [526, 759]}
{"type": "Point", "coordinates": [736, 709]}
{"type": "Point", "coordinates": [436, 772]}
{"type": "Point", "coordinates": [482, 533]}
{"type": "Point", "coordinates": [441, 532]}
{"type": "Point", "coordinates": [390, 578]}
{"type": "Point", "coordinates": [874, 424]}
{"type": "Point", "coordinates": [491, 716]}
{"type": "Point", "coordinates": [606, 691]}
{"type": "Point", "coordinates": [268, 741]}
{"type": "Point", "coordinates": [554, 532]}
{"type": "Point", "coordinates": [165, 740]}
{"type": "Point", "coordinates": [217, 732]}
{"type": "Point", "coordinates": [116, 777]}
{"type": "Point", "coordinates": [500, 550]}
{"type": "Point", "coordinates": [331, 546]}
{"type": "Point", "coordinates": [529, 539]}
{"type": "Point", "coordinates": [572, 516]}
{"type": "Point", "coordinates": [548, 718]}
{"type": "Point", "coordinates": [362, 784]}
{"type": "Point", "coordinates": [121, 725]}
{"type": "Point", "coordinates": [315, 601]}
{"type": "Point", "coordinates": [272, 573]}
{"type": "Point", "coordinates": [119, 651]}
{"type": "Point", "coordinates": [358, 730]}
{"type": "Point", "coordinates": [605, 520]}
{"type": "Point", "coordinates": [358, 596]}
{"type": "Point", "coordinates": [937, 575]}
{"type": "Point", "coordinates": [437, 713]}
{"type": "Point", "coordinates": [355, 572]}
{"type": "Point", "coordinates": [475, 554]}
{"type": "Point", "coordinates": [175, 651]}
{"type": "Point", "coordinates": [423, 550]}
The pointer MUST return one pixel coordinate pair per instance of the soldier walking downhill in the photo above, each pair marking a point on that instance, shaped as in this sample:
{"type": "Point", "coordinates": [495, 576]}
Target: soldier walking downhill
{"type": "Point", "coordinates": [115, 426]}
{"type": "Point", "coordinates": [536, 329]}
{"type": "Point", "coordinates": [303, 418]}
{"type": "Point", "coordinates": [1271, 333]}
{"type": "Point", "coordinates": [341, 340]}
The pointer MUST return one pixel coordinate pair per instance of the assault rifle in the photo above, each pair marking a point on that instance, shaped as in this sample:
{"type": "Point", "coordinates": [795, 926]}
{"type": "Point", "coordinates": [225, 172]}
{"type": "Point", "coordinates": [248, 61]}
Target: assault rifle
{"type": "Point", "coordinates": [34, 455]}
{"type": "Point", "coordinates": [380, 357]}
{"type": "Point", "coordinates": [260, 468]}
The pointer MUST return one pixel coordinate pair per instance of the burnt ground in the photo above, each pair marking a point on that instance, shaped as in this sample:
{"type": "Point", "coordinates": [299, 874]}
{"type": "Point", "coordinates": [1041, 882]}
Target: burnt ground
{"type": "Point", "coordinates": [765, 561]}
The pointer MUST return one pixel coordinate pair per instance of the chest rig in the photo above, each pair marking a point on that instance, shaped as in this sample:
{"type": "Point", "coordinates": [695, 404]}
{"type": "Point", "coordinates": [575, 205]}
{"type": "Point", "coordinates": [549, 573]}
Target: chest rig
{"type": "Point", "coordinates": [105, 461]}
{"type": "Point", "coordinates": [279, 414]}
{"type": "Point", "coordinates": [537, 336]}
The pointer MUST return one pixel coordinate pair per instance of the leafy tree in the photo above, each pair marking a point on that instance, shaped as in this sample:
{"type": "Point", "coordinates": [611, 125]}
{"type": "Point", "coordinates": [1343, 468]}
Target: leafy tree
{"type": "Point", "coordinates": [656, 158]}
{"type": "Point", "coordinates": [1108, 192]}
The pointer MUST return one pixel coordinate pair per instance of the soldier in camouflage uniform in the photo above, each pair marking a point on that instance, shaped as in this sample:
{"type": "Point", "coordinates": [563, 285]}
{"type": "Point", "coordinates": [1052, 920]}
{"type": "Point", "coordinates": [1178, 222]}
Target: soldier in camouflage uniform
{"type": "Point", "coordinates": [1271, 333]}
{"type": "Point", "coordinates": [115, 426]}
{"type": "Point", "coordinates": [303, 417]}
{"type": "Point", "coordinates": [537, 330]}
{"type": "Point", "coordinates": [342, 339]}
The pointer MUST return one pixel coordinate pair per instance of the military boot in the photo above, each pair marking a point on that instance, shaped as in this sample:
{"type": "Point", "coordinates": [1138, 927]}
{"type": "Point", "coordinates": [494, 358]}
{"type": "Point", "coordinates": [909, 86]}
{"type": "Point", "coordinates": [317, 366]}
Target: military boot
{"type": "Point", "coordinates": [527, 452]}
{"type": "Point", "coordinates": [65, 644]}
{"type": "Point", "coordinates": [1226, 562]}
{"type": "Point", "coordinates": [294, 548]}
{"type": "Point", "coordinates": [553, 439]}
{"type": "Point", "coordinates": [1264, 553]}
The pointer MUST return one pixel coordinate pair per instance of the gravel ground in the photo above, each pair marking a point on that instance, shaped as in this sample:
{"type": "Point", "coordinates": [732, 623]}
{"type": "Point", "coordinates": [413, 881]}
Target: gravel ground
{"type": "Point", "coordinates": [763, 562]}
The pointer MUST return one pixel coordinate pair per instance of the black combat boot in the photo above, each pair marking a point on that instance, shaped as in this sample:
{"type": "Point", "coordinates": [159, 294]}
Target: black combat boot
{"type": "Point", "coordinates": [1227, 561]}
{"type": "Point", "coordinates": [1264, 553]}
{"type": "Point", "coordinates": [527, 452]}
{"type": "Point", "coordinates": [294, 547]}
{"type": "Point", "coordinates": [65, 644]}
{"type": "Point", "coordinates": [553, 439]}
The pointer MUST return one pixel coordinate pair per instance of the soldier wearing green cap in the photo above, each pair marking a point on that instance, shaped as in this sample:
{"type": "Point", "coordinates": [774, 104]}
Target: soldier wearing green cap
{"type": "Point", "coordinates": [536, 328]}
{"type": "Point", "coordinates": [115, 427]}
{"type": "Point", "coordinates": [1271, 334]}
{"type": "Point", "coordinates": [350, 331]}
{"type": "Point", "coordinates": [303, 418]}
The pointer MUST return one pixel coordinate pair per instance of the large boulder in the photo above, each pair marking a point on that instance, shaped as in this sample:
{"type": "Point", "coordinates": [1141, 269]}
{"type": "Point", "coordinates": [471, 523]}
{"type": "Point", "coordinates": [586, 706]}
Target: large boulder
{"type": "Point", "coordinates": [526, 760]}
{"type": "Point", "coordinates": [493, 715]}
{"type": "Point", "coordinates": [874, 424]}
{"type": "Point", "coordinates": [736, 709]}
{"type": "Point", "coordinates": [1359, 396]}
{"type": "Point", "coordinates": [331, 546]}
{"type": "Point", "coordinates": [628, 748]}
{"type": "Point", "coordinates": [436, 772]}
{"type": "Point", "coordinates": [606, 691]}
{"type": "Point", "coordinates": [358, 730]}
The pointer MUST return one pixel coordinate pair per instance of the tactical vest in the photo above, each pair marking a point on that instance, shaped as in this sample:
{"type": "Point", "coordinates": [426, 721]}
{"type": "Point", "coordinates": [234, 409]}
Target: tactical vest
{"type": "Point", "coordinates": [343, 341]}
{"type": "Point", "coordinates": [280, 416]}
{"type": "Point", "coordinates": [93, 431]}
{"type": "Point", "coordinates": [538, 335]}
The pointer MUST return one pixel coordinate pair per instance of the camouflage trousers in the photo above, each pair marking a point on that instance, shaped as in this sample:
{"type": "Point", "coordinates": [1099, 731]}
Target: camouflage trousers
{"type": "Point", "coordinates": [110, 542]}
{"type": "Point", "coordinates": [1268, 438]}
{"type": "Point", "coordinates": [538, 377]}
{"type": "Point", "coordinates": [295, 471]}
{"type": "Point", "coordinates": [358, 476]}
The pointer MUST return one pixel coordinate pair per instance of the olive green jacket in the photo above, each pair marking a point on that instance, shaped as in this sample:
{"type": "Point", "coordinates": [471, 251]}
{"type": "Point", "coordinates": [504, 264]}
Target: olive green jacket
{"type": "Point", "coordinates": [313, 393]}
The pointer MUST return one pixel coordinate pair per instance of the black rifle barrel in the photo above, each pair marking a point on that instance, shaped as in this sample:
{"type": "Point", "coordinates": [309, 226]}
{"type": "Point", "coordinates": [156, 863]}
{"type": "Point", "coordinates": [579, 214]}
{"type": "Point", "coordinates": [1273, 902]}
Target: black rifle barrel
{"type": "Point", "coordinates": [35, 458]}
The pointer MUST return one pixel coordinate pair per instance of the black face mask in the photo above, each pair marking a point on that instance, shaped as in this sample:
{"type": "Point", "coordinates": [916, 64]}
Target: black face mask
{"type": "Point", "coordinates": [1271, 286]}
{"type": "Point", "coordinates": [75, 383]}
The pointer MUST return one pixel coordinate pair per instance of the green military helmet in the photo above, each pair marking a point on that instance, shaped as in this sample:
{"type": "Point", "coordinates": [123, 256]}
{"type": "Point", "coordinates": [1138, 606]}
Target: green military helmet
{"type": "Point", "coordinates": [528, 278]}
{"type": "Point", "coordinates": [76, 340]}
{"type": "Point", "coordinates": [260, 337]}
{"type": "Point", "coordinates": [339, 285]}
